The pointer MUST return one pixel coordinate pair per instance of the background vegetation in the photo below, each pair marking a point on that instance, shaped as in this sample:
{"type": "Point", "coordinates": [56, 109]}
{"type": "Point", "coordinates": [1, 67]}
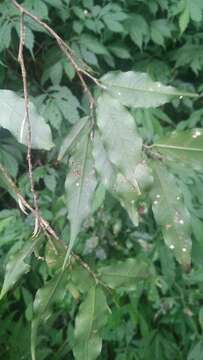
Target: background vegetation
{"type": "Point", "coordinates": [160, 317]}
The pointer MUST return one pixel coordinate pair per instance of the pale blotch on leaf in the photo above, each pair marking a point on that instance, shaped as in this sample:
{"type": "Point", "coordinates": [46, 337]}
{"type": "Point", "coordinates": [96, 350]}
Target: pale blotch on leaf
{"type": "Point", "coordinates": [196, 134]}
{"type": "Point", "coordinates": [155, 202]}
{"type": "Point", "coordinates": [181, 221]}
{"type": "Point", "coordinates": [158, 196]}
{"type": "Point", "coordinates": [172, 247]}
{"type": "Point", "coordinates": [178, 198]}
{"type": "Point", "coordinates": [184, 249]}
{"type": "Point", "coordinates": [77, 184]}
{"type": "Point", "coordinates": [180, 97]}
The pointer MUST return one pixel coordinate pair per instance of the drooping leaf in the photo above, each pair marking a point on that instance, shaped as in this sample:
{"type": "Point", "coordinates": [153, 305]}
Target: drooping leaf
{"type": "Point", "coordinates": [186, 146]}
{"type": "Point", "coordinates": [125, 273]}
{"type": "Point", "coordinates": [136, 89]}
{"type": "Point", "coordinates": [171, 214]}
{"type": "Point", "coordinates": [73, 136]}
{"type": "Point", "coordinates": [122, 143]}
{"type": "Point", "coordinates": [45, 298]}
{"type": "Point", "coordinates": [89, 322]}
{"type": "Point", "coordinates": [81, 278]}
{"type": "Point", "coordinates": [116, 183]}
{"type": "Point", "coordinates": [80, 185]}
{"type": "Point", "coordinates": [17, 266]}
{"type": "Point", "coordinates": [12, 114]}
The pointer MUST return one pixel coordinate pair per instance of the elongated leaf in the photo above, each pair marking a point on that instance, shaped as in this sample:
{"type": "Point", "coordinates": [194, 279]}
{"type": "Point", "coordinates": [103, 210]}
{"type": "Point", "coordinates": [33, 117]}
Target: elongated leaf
{"type": "Point", "coordinates": [17, 266]}
{"type": "Point", "coordinates": [89, 322]}
{"type": "Point", "coordinates": [45, 298]}
{"type": "Point", "coordinates": [136, 89]}
{"type": "Point", "coordinates": [171, 214]}
{"type": "Point", "coordinates": [73, 135]}
{"type": "Point", "coordinates": [116, 183]}
{"type": "Point", "coordinates": [186, 146]}
{"type": "Point", "coordinates": [12, 114]}
{"type": "Point", "coordinates": [80, 185]}
{"type": "Point", "coordinates": [122, 143]}
{"type": "Point", "coordinates": [125, 273]}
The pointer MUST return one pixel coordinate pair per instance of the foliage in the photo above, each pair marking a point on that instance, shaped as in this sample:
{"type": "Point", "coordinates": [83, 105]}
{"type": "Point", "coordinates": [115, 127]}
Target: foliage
{"type": "Point", "coordinates": [120, 181]}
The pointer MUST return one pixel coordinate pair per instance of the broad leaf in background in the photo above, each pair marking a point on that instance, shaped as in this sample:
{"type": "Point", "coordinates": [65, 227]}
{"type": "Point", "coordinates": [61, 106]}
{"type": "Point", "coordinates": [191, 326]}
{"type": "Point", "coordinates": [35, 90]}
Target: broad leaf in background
{"type": "Point", "coordinates": [54, 291]}
{"type": "Point", "coordinates": [122, 142]}
{"type": "Point", "coordinates": [12, 114]}
{"type": "Point", "coordinates": [91, 319]}
{"type": "Point", "coordinates": [171, 214]}
{"type": "Point", "coordinates": [185, 146]}
{"type": "Point", "coordinates": [80, 185]}
{"type": "Point", "coordinates": [17, 266]}
{"type": "Point", "coordinates": [73, 136]}
{"type": "Point", "coordinates": [192, 9]}
{"type": "Point", "coordinates": [125, 273]}
{"type": "Point", "coordinates": [136, 89]}
{"type": "Point", "coordinates": [115, 182]}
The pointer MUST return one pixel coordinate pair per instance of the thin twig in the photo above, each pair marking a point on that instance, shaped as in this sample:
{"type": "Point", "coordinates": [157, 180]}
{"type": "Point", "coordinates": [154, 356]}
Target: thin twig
{"type": "Point", "coordinates": [26, 122]}
{"type": "Point", "coordinates": [67, 51]}
{"type": "Point", "coordinates": [46, 227]}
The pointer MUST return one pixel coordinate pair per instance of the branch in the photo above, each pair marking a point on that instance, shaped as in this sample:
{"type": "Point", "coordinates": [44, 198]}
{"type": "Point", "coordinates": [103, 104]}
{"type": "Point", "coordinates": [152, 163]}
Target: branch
{"type": "Point", "coordinates": [26, 122]}
{"type": "Point", "coordinates": [46, 227]}
{"type": "Point", "coordinates": [67, 51]}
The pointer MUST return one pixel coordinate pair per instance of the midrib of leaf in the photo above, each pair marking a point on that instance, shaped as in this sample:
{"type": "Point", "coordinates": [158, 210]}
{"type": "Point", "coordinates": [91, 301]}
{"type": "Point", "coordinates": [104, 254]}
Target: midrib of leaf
{"type": "Point", "coordinates": [44, 310]}
{"type": "Point", "coordinates": [118, 274]}
{"type": "Point", "coordinates": [172, 93]}
{"type": "Point", "coordinates": [53, 291]}
{"type": "Point", "coordinates": [83, 125]}
{"type": "Point", "coordinates": [91, 325]}
{"type": "Point", "coordinates": [73, 232]}
{"type": "Point", "coordinates": [174, 147]}
{"type": "Point", "coordinates": [81, 182]}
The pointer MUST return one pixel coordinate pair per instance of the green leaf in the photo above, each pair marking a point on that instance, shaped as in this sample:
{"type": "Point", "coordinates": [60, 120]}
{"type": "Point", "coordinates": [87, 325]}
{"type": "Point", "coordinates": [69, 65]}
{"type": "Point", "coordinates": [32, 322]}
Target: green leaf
{"type": "Point", "coordinates": [138, 29]}
{"type": "Point", "coordinates": [74, 134]}
{"type": "Point", "coordinates": [17, 266]}
{"type": "Point", "coordinates": [45, 298]}
{"type": "Point", "coordinates": [91, 319]}
{"type": "Point", "coordinates": [136, 89]}
{"type": "Point", "coordinates": [80, 185]}
{"type": "Point", "coordinates": [170, 213]}
{"type": "Point", "coordinates": [12, 113]}
{"type": "Point", "coordinates": [185, 146]}
{"type": "Point", "coordinates": [125, 273]}
{"type": "Point", "coordinates": [115, 182]}
{"type": "Point", "coordinates": [122, 142]}
{"type": "Point", "coordinates": [160, 30]}
{"type": "Point", "coordinates": [184, 19]}
{"type": "Point", "coordinates": [93, 44]}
